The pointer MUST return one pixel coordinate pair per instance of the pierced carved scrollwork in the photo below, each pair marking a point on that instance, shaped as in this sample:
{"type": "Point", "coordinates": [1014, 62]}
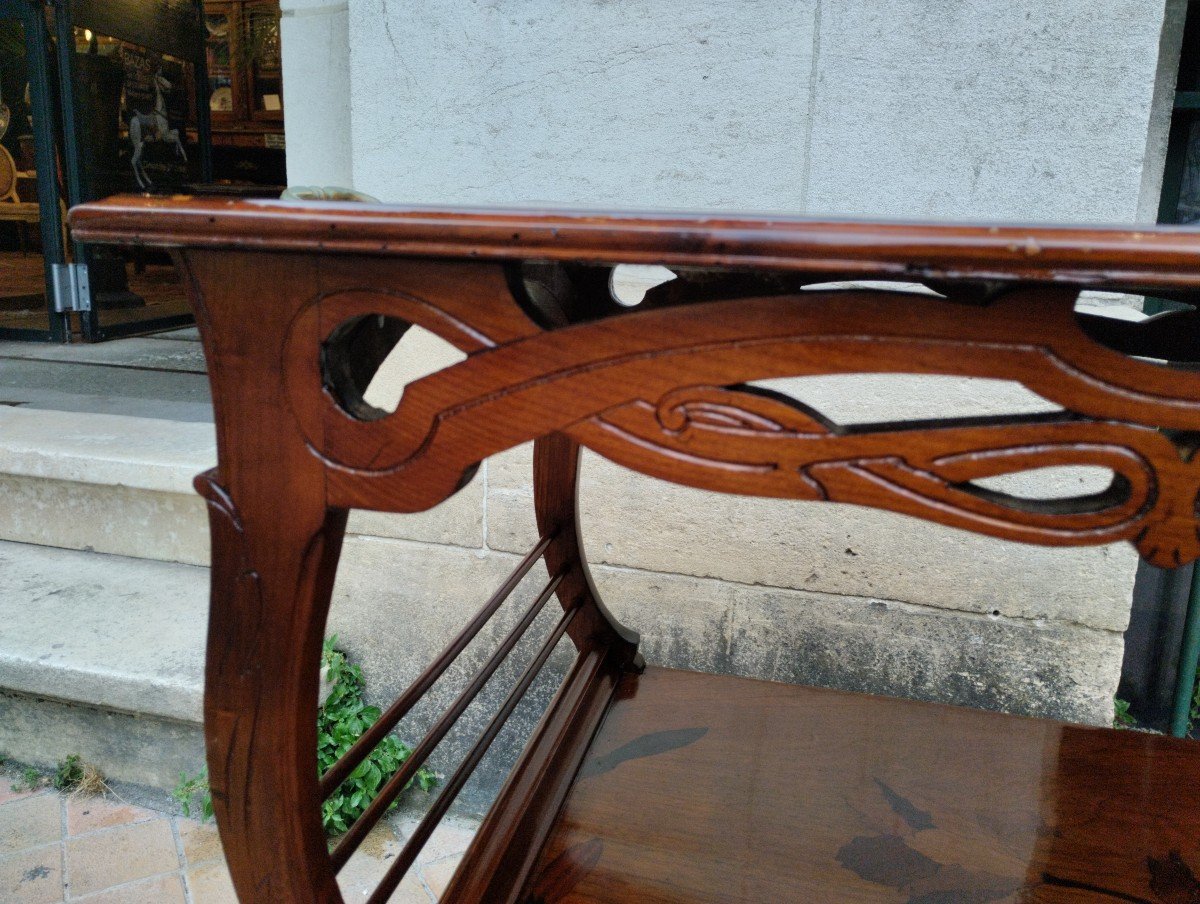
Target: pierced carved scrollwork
{"type": "Point", "coordinates": [662, 391]}
{"type": "Point", "coordinates": [740, 440]}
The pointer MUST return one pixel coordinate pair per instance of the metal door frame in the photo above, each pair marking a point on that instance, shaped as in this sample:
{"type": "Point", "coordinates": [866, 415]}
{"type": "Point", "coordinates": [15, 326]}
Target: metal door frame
{"type": "Point", "coordinates": [31, 15]}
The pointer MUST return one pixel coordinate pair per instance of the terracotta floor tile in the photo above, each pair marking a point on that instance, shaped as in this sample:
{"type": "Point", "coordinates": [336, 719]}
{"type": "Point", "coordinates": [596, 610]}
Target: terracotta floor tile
{"type": "Point", "coordinates": [33, 876]}
{"type": "Point", "coordinates": [438, 875]}
{"type": "Point", "coordinates": [6, 788]}
{"type": "Point", "coordinates": [362, 873]}
{"type": "Point", "coordinates": [210, 884]}
{"type": "Point", "coordinates": [201, 842]}
{"type": "Point", "coordinates": [452, 836]}
{"type": "Point", "coordinates": [116, 856]}
{"type": "Point", "coordinates": [159, 890]}
{"type": "Point", "coordinates": [411, 891]}
{"type": "Point", "coordinates": [86, 813]}
{"type": "Point", "coordinates": [30, 822]}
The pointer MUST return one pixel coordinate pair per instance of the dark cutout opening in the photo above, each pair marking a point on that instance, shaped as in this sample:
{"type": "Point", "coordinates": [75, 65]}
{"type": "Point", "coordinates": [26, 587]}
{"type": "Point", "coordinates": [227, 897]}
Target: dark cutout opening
{"type": "Point", "coordinates": [351, 357]}
{"type": "Point", "coordinates": [560, 294]}
{"type": "Point", "coordinates": [1171, 338]}
{"type": "Point", "coordinates": [1115, 494]}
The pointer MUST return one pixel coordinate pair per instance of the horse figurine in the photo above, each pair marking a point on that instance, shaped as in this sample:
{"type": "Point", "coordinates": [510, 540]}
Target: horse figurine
{"type": "Point", "coordinates": [144, 127]}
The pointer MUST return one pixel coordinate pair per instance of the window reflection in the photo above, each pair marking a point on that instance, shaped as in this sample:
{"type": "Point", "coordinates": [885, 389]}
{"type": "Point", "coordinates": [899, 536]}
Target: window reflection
{"type": "Point", "coordinates": [1188, 209]}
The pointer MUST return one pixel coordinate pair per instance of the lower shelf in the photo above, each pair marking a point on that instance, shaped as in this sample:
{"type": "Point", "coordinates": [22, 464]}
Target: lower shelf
{"type": "Point", "coordinates": [701, 788]}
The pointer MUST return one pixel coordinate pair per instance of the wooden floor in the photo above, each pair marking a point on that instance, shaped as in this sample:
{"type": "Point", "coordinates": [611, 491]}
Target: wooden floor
{"type": "Point", "coordinates": [713, 789]}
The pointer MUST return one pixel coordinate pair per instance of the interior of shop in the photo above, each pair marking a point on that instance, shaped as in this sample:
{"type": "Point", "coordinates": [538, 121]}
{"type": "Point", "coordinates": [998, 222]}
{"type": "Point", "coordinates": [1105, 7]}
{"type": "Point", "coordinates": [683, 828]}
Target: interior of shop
{"type": "Point", "coordinates": [163, 96]}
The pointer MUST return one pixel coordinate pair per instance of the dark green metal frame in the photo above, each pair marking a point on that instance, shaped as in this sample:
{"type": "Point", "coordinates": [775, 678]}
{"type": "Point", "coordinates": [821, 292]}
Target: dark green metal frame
{"type": "Point", "coordinates": [31, 15]}
{"type": "Point", "coordinates": [1185, 113]}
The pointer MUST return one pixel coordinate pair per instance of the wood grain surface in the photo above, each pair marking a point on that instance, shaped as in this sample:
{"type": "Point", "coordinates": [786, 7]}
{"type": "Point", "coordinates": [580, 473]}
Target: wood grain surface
{"type": "Point", "coordinates": [702, 789]}
{"type": "Point", "coordinates": [695, 789]}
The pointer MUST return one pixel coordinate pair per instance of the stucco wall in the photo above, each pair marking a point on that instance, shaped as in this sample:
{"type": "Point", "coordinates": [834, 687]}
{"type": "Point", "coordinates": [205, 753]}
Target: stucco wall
{"type": "Point", "coordinates": [913, 108]}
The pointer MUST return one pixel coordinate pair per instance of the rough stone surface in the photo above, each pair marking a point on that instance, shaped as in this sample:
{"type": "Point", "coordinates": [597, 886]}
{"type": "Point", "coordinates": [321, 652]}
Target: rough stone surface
{"type": "Point", "coordinates": [639, 522]}
{"type": "Point", "coordinates": [118, 634]}
{"type": "Point", "coordinates": [141, 453]}
{"type": "Point", "coordinates": [102, 656]}
{"type": "Point", "coordinates": [315, 39]}
{"type": "Point", "coordinates": [34, 821]}
{"type": "Point", "coordinates": [201, 841]}
{"type": "Point", "coordinates": [914, 108]}
{"type": "Point", "coordinates": [978, 109]}
{"type": "Point", "coordinates": [123, 391]}
{"type": "Point", "coordinates": [585, 103]}
{"type": "Point", "coordinates": [138, 749]}
{"type": "Point", "coordinates": [109, 518]}
{"type": "Point", "coordinates": [126, 854]}
{"type": "Point", "coordinates": [88, 812]}
{"type": "Point", "coordinates": [137, 352]}
{"type": "Point", "coordinates": [1028, 666]}
{"type": "Point", "coordinates": [32, 876]}
{"type": "Point", "coordinates": [123, 485]}
{"type": "Point", "coordinates": [210, 882]}
{"type": "Point", "coordinates": [458, 521]}
{"type": "Point", "coordinates": [160, 890]}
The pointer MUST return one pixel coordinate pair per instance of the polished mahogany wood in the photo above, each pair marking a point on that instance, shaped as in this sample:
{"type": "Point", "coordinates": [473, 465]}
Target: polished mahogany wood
{"type": "Point", "coordinates": [1099, 257]}
{"type": "Point", "coordinates": [506, 848]}
{"type": "Point", "coordinates": [703, 789]}
{"type": "Point", "coordinates": [767, 793]}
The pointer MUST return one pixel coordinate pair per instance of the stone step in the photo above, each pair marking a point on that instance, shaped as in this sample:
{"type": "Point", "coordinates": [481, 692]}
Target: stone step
{"type": "Point", "coordinates": [123, 485]}
{"type": "Point", "coordinates": [106, 483]}
{"type": "Point", "coordinates": [151, 377]}
{"type": "Point", "coordinates": [102, 656]}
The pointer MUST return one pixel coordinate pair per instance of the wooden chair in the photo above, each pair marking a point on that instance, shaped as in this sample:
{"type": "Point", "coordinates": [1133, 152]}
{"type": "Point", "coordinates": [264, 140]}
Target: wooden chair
{"type": "Point", "coordinates": [12, 208]}
{"type": "Point", "coordinates": [646, 784]}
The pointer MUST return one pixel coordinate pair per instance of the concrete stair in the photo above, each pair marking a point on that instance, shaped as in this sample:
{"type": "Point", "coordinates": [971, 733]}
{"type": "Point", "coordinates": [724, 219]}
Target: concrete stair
{"type": "Point", "coordinates": [102, 656]}
{"type": "Point", "coordinates": [103, 543]}
{"type": "Point", "coordinates": [103, 600]}
{"type": "Point", "coordinates": [104, 483]}
{"type": "Point", "coordinates": [104, 588]}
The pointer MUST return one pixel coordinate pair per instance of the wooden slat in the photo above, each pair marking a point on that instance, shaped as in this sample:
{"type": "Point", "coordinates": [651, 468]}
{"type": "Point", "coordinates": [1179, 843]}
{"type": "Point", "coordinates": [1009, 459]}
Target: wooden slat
{"type": "Point", "coordinates": [511, 836]}
{"type": "Point", "coordinates": [466, 768]}
{"type": "Point", "coordinates": [1084, 255]}
{"type": "Point", "coordinates": [398, 782]}
{"type": "Point", "coordinates": [336, 774]}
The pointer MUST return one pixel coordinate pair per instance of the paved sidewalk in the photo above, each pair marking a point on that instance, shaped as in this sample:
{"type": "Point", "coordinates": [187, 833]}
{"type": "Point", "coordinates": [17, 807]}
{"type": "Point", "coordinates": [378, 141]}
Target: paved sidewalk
{"type": "Point", "coordinates": [60, 847]}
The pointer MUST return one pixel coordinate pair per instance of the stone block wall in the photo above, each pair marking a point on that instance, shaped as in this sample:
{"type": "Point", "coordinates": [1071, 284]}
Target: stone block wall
{"type": "Point", "coordinates": [916, 108]}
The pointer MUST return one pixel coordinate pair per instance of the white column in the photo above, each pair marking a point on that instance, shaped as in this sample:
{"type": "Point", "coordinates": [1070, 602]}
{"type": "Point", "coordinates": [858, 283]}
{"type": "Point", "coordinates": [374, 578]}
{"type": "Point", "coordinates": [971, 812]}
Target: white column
{"type": "Point", "coordinates": [316, 90]}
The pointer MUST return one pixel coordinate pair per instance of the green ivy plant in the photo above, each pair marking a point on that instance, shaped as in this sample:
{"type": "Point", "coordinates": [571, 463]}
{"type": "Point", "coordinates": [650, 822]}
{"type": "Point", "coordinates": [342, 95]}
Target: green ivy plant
{"type": "Point", "coordinates": [30, 780]}
{"type": "Point", "coordinates": [69, 774]}
{"type": "Point", "coordinates": [340, 722]}
{"type": "Point", "coordinates": [194, 790]}
{"type": "Point", "coordinates": [1122, 717]}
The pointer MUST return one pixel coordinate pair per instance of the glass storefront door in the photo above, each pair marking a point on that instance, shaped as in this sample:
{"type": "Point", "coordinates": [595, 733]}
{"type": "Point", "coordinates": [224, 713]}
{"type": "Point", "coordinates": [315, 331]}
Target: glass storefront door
{"type": "Point", "coordinates": [136, 119]}
{"type": "Point", "coordinates": [32, 242]}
